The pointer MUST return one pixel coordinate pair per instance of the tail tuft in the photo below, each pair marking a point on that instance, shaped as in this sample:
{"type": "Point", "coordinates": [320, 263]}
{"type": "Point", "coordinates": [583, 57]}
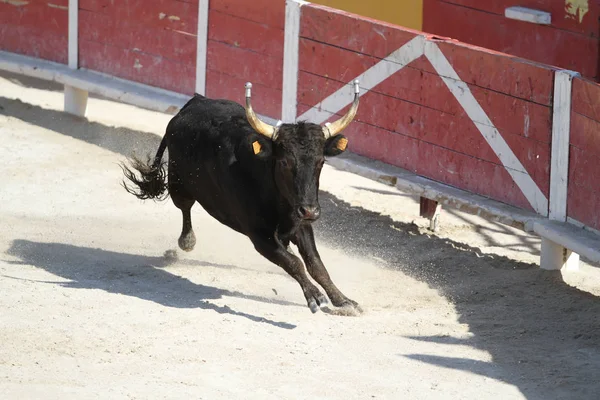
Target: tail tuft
{"type": "Point", "coordinates": [151, 184]}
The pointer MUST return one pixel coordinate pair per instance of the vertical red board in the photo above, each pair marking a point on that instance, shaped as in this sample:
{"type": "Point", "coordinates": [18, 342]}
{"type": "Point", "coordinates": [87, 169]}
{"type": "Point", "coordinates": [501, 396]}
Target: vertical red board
{"type": "Point", "coordinates": [245, 44]}
{"type": "Point", "coordinates": [583, 201]}
{"type": "Point", "coordinates": [36, 29]}
{"type": "Point", "coordinates": [152, 42]}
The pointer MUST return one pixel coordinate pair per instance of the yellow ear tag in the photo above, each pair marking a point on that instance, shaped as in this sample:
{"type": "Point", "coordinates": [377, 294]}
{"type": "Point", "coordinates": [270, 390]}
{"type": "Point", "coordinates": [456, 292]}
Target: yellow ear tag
{"type": "Point", "coordinates": [341, 144]}
{"type": "Point", "coordinates": [256, 147]}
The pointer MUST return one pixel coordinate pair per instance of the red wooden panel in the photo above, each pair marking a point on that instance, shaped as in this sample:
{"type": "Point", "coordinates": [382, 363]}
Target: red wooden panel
{"type": "Point", "coordinates": [435, 162]}
{"type": "Point", "coordinates": [269, 12]}
{"type": "Point", "coordinates": [359, 34]}
{"type": "Point", "coordinates": [129, 35]}
{"type": "Point", "coordinates": [586, 98]}
{"type": "Point", "coordinates": [454, 132]}
{"type": "Point", "coordinates": [583, 205]}
{"type": "Point", "coordinates": [246, 34]}
{"type": "Point", "coordinates": [265, 100]}
{"type": "Point", "coordinates": [36, 29]}
{"type": "Point", "coordinates": [534, 42]}
{"type": "Point", "coordinates": [528, 119]}
{"type": "Point", "coordinates": [584, 168]}
{"type": "Point", "coordinates": [584, 192]}
{"type": "Point", "coordinates": [244, 64]}
{"type": "Point", "coordinates": [560, 17]}
{"type": "Point", "coordinates": [158, 14]}
{"type": "Point", "coordinates": [585, 134]}
{"type": "Point", "coordinates": [138, 66]}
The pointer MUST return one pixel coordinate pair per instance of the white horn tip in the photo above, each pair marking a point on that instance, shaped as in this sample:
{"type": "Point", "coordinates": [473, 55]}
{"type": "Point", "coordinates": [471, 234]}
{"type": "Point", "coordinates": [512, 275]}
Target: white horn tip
{"type": "Point", "coordinates": [248, 85]}
{"type": "Point", "coordinates": [356, 87]}
{"type": "Point", "coordinates": [248, 89]}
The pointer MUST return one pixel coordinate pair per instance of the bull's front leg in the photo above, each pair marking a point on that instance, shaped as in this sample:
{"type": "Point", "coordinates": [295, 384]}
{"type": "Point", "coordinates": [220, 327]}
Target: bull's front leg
{"type": "Point", "coordinates": [276, 252]}
{"type": "Point", "coordinates": [305, 240]}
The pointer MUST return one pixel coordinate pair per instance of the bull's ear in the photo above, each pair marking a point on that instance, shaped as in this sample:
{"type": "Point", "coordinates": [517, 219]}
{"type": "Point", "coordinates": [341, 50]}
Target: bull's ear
{"type": "Point", "coordinates": [336, 145]}
{"type": "Point", "coordinates": [259, 146]}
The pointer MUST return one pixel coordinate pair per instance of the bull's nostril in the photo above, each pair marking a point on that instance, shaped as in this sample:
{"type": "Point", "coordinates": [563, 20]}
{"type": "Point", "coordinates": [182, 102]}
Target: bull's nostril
{"type": "Point", "coordinates": [308, 212]}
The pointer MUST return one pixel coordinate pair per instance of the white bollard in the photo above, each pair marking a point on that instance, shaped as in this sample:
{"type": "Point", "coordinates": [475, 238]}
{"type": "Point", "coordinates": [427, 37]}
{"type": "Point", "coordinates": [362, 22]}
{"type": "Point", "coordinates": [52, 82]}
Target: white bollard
{"type": "Point", "coordinates": [556, 257]}
{"type": "Point", "coordinates": [75, 100]}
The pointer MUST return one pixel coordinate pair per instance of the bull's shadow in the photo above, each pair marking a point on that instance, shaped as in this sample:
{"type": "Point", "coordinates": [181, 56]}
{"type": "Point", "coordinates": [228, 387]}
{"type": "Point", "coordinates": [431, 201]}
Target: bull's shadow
{"type": "Point", "coordinates": [130, 275]}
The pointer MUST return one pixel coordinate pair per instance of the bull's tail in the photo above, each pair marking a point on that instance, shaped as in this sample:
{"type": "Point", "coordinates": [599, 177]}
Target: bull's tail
{"type": "Point", "coordinates": [152, 180]}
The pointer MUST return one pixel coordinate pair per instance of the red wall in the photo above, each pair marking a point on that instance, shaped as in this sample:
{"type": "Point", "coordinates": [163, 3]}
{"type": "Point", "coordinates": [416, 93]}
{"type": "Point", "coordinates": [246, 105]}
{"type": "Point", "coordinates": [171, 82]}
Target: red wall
{"type": "Point", "coordinates": [35, 28]}
{"type": "Point", "coordinates": [584, 158]}
{"type": "Point", "coordinates": [246, 44]}
{"type": "Point", "coordinates": [566, 43]}
{"type": "Point", "coordinates": [412, 120]}
{"type": "Point", "coordinates": [151, 42]}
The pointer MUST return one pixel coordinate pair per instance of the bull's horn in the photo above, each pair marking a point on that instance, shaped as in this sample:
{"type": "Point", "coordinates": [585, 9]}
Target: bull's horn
{"type": "Point", "coordinates": [259, 126]}
{"type": "Point", "coordinates": [334, 128]}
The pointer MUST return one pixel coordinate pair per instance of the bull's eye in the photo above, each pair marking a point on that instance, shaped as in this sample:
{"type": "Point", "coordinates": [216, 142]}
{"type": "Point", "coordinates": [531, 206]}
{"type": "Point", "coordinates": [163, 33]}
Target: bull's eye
{"type": "Point", "coordinates": [283, 163]}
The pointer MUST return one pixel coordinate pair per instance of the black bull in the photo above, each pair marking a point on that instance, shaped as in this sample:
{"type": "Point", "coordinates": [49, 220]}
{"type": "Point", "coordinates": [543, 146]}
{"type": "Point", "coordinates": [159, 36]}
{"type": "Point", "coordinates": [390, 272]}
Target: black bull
{"type": "Point", "coordinates": [258, 179]}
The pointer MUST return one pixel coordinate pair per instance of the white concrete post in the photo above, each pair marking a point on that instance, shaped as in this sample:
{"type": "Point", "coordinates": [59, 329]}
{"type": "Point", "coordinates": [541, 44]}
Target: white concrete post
{"type": "Point", "coordinates": [75, 99]}
{"type": "Point", "coordinates": [553, 255]}
{"type": "Point", "coordinates": [291, 48]}
{"type": "Point", "coordinates": [202, 46]}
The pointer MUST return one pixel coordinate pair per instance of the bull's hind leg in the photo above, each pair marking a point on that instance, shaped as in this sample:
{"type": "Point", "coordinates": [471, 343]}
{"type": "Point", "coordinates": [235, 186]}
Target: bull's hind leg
{"type": "Point", "coordinates": [305, 240]}
{"type": "Point", "coordinates": [183, 201]}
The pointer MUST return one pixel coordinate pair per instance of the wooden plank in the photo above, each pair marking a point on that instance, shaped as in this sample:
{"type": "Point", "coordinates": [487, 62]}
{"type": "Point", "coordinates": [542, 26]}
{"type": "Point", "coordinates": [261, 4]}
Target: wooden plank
{"type": "Point", "coordinates": [450, 167]}
{"type": "Point", "coordinates": [511, 75]}
{"type": "Point", "coordinates": [528, 119]}
{"type": "Point", "coordinates": [38, 15]}
{"type": "Point", "coordinates": [268, 12]}
{"type": "Point", "coordinates": [138, 66]}
{"type": "Point", "coordinates": [500, 72]}
{"type": "Point", "coordinates": [129, 35]}
{"type": "Point", "coordinates": [246, 34]}
{"type": "Point", "coordinates": [158, 14]}
{"type": "Point", "coordinates": [584, 169]}
{"type": "Point", "coordinates": [561, 18]}
{"type": "Point", "coordinates": [255, 68]}
{"type": "Point", "coordinates": [533, 42]}
{"type": "Point", "coordinates": [454, 132]}
{"type": "Point", "coordinates": [561, 125]}
{"type": "Point", "coordinates": [586, 98]}
{"type": "Point", "coordinates": [583, 205]}
{"type": "Point", "coordinates": [359, 34]}
{"type": "Point", "coordinates": [36, 29]}
{"type": "Point", "coordinates": [34, 42]}
{"type": "Point", "coordinates": [585, 134]}
{"type": "Point", "coordinates": [265, 100]}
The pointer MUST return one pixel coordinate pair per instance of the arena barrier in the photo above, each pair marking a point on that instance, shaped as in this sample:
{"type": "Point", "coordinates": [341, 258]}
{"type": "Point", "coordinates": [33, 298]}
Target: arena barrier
{"type": "Point", "coordinates": [488, 133]}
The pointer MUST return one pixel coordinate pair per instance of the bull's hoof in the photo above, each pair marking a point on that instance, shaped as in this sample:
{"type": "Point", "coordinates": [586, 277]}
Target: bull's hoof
{"type": "Point", "coordinates": [316, 300]}
{"type": "Point", "coordinates": [187, 242]}
{"type": "Point", "coordinates": [347, 307]}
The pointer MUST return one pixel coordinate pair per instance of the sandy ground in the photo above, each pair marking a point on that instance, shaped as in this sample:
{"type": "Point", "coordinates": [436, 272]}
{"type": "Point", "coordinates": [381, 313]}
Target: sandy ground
{"type": "Point", "coordinates": [90, 308]}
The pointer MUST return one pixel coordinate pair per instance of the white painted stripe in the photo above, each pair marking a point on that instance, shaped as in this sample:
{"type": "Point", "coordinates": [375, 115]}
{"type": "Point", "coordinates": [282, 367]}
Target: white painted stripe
{"type": "Point", "coordinates": [73, 34]}
{"type": "Point", "coordinates": [561, 127]}
{"type": "Point", "coordinates": [528, 15]}
{"type": "Point", "coordinates": [463, 94]}
{"type": "Point", "coordinates": [202, 46]}
{"type": "Point", "coordinates": [368, 80]}
{"type": "Point", "coordinates": [290, 60]}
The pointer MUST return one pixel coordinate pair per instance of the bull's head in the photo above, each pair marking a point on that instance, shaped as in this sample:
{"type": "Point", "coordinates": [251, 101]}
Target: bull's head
{"type": "Point", "coordinates": [298, 153]}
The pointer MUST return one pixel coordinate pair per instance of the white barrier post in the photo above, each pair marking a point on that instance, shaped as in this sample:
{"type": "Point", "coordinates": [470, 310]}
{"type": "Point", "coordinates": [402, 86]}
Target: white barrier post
{"type": "Point", "coordinates": [553, 255]}
{"type": "Point", "coordinates": [75, 98]}
{"type": "Point", "coordinates": [291, 48]}
{"type": "Point", "coordinates": [202, 46]}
